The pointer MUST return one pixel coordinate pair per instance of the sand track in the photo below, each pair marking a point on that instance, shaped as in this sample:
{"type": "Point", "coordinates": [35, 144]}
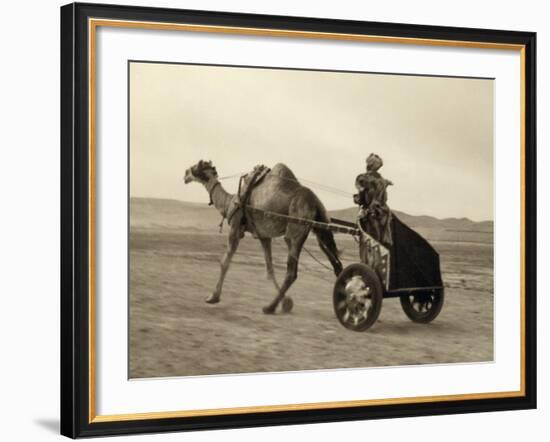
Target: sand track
{"type": "Point", "coordinates": [174, 333]}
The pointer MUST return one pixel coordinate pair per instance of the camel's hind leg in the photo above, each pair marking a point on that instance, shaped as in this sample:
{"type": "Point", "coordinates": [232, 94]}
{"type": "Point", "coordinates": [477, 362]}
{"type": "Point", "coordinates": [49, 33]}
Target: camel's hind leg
{"type": "Point", "coordinates": [295, 237]}
{"type": "Point", "coordinates": [326, 242]}
{"type": "Point", "coordinates": [266, 245]}
{"type": "Point", "coordinates": [234, 238]}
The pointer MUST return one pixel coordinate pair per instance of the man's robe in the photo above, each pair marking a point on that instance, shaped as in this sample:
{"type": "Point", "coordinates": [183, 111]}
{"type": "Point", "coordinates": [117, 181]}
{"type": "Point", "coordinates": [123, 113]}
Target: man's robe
{"type": "Point", "coordinates": [372, 197]}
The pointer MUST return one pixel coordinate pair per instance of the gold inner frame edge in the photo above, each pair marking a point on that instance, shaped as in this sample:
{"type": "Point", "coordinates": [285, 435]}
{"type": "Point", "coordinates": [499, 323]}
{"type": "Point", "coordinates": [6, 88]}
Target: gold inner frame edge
{"type": "Point", "coordinates": [93, 24]}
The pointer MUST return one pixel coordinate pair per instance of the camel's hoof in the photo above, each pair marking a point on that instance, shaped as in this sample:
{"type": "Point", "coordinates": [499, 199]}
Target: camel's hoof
{"type": "Point", "coordinates": [287, 304]}
{"type": "Point", "coordinates": [269, 310]}
{"type": "Point", "coordinates": [212, 299]}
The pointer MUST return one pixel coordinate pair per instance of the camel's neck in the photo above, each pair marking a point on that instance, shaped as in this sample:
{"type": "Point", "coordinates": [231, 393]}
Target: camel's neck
{"type": "Point", "coordinates": [220, 198]}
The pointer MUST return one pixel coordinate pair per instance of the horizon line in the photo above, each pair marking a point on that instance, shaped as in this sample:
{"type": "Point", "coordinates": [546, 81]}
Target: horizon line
{"type": "Point", "coordinates": [328, 210]}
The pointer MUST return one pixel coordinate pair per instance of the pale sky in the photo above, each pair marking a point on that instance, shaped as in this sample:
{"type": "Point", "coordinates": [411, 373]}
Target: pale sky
{"type": "Point", "coordinates": [435, 135]}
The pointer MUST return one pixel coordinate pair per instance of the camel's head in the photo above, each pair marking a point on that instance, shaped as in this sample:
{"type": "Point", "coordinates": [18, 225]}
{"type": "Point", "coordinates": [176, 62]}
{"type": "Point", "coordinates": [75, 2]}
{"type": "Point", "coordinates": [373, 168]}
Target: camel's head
{"type": "Point", "coordinates": [201, 172]}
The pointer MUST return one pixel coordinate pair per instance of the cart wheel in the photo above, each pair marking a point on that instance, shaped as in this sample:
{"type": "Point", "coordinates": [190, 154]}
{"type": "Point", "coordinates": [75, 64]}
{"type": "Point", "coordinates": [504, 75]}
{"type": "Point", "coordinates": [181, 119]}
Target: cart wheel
{"type": "Point", "coordinates": [287, 304]}
{"type": "Point", "coordinates": [357, 297]}
{"type": "Point", "coordinates": [423, 307]}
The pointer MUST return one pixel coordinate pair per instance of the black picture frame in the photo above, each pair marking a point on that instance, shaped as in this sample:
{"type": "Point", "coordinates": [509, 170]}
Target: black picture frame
{"type": "Point", "coordinates": [75, 220]}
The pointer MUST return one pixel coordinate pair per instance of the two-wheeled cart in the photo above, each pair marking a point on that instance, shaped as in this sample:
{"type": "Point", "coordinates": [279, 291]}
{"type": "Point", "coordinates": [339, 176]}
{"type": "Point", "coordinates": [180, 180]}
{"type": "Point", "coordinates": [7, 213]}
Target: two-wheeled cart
{"type": "Point", "coordinates": [408, 269]}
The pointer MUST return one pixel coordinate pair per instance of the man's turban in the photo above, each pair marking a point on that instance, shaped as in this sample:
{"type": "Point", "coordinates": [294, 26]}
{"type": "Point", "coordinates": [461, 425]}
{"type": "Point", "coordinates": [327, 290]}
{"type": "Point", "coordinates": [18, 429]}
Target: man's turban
{"type": "Point", "coordinates": [374, 162]}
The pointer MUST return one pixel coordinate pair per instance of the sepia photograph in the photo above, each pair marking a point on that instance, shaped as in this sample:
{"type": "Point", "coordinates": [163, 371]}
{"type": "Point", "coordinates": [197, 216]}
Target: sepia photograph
{"type": "Point", "coordinates": [286, 219]}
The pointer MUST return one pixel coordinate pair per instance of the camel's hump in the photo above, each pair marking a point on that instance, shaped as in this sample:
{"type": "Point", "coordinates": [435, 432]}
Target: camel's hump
{"type": "Point", "coordinates": [282, 170]}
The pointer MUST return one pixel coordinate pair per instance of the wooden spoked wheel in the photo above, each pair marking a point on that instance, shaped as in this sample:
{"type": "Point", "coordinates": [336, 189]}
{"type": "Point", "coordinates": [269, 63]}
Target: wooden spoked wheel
{"type": "Point", "coordinates": [357, 297]}
{"type": "Point", "coordinates": [423, 306]}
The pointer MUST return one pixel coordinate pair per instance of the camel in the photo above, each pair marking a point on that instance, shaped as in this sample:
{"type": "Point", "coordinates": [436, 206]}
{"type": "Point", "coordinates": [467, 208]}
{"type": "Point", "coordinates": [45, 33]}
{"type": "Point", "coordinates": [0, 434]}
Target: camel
{"type": "Point", "coordinates": [280, 192]}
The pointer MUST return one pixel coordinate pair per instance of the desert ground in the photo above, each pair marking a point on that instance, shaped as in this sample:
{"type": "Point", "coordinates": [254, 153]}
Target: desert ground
{"type": "Point", "coordinates": [175, 250]}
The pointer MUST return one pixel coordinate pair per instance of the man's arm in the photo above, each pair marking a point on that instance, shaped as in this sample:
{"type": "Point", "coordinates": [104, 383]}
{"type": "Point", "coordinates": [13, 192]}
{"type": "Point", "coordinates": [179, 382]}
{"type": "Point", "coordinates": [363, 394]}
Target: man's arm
{"type": "Point", "coordinates": [359, 197]}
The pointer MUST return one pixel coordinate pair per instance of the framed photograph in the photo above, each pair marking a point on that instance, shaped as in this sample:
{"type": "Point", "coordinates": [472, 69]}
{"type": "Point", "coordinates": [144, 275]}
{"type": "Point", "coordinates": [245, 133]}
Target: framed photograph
{"type": "Point", "coordinates": [274, 220]}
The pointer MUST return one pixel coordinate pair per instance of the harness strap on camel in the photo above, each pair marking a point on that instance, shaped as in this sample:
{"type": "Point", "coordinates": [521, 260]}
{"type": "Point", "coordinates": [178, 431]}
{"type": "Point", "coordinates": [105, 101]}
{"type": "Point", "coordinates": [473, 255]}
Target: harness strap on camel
{"type": "Point", "coordinates": [247, 183]}
{"type": "Point", "coordinates": [211, 191]}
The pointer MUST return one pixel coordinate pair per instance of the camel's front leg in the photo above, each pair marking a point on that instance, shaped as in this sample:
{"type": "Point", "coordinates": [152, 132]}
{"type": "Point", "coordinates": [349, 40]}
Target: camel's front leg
{"type": "Point", "coordinates": [266, 244]}
{"type": "Point", "coordinates": [233, 242]}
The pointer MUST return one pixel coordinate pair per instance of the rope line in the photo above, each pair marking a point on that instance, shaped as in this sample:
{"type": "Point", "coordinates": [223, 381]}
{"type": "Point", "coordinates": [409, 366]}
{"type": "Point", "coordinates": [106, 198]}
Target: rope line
{"type": "Point", "coordinates": [327, 188]}
{"type": "Point", "coordinates": [324, 187]}
{"type": "Point", "coordinates": [235, 175]}
{"type": "Point", "coordinates": [315, 259]}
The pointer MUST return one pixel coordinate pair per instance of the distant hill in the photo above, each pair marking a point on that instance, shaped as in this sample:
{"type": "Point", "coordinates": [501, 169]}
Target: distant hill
{"type": "Point", "coordinates": [153, 213]}
{"type": "Point", "coordinates": [172, 214]}
{"type": "Point", "coordinates": [424, 221]}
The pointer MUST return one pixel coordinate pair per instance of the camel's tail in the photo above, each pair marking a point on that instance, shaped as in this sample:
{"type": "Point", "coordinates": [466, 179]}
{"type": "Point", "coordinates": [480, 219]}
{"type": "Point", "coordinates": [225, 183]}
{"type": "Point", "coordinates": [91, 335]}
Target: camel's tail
{"type": "Point", "coordinates": [326, 239]}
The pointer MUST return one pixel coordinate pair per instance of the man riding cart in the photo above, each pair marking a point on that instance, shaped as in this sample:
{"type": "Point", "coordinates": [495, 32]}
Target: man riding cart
{"type": "Point", "coordinates": [374, 215]}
